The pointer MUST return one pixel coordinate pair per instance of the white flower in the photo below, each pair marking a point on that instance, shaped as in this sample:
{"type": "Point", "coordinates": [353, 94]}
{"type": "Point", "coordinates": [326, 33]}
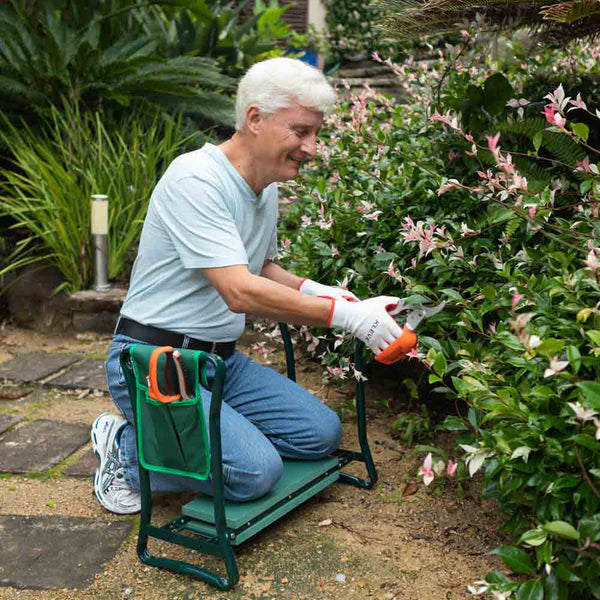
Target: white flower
{"type": "Point", "coordinates": [475, 457]}
{"type": "Point", "coordinates": [534, 342]}
{"type": "Point", "coordinates": [555, 366]}
{"type": "Point", "coordinates": [581, 413]}
{"type": "Point", "coordinates": [521, 452]}
{"type": "Point", "coordinates": [482, 588]}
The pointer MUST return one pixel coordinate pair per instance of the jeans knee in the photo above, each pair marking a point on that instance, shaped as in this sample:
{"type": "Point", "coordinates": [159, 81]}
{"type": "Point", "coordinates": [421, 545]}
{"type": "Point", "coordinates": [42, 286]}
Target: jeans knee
{"type": "Point", "coordinates": [258, 476]}
{"type": "Point", "coordinates": [328, 434]}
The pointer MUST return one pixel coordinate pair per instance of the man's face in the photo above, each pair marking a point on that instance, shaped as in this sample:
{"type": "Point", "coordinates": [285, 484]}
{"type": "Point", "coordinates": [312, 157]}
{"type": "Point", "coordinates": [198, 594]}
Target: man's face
{"type": "Point", "coordinates": [285, 140]}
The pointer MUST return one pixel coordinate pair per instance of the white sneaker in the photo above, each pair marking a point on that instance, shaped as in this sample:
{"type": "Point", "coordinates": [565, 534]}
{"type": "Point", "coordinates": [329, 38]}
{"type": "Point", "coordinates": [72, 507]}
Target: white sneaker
{"type": "Point", "coordinates": [109, 483]}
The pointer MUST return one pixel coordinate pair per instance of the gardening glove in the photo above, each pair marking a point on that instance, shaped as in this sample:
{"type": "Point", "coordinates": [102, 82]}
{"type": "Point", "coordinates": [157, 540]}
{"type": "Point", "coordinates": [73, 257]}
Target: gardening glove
{"type": "Point", "coordinates": [370, 320]}
{"type": "Point", "coordinates": [312, 288]}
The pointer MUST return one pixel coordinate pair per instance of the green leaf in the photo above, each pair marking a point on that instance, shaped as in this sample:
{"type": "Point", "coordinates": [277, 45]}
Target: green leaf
{"type": "Point", "coordinates": [551, 587]}
{"type": "Point", "coordinates": [453, 423]}
{"type": "Point", "coordinates": [497, 91]}
{"type": "Point", "coordinates": [594, 335]}
{"type": "Point", "coordinates": [531, 590]}
{"type": "Point", "coordinates": [591, 392]}
{"type": "Point", "coordinates": [497, 577]}
{"type": "Point", "coordinates": [440, 364]}
{"type": "Point", "coordinates": [581, 130]}
{"type": "Point", "coordinates": [585, 186]}
{"type": "Point", "coordinates": [561, 529]}
{"type": "Point", "coordinates": [550, 347]}
{"type": "Point", "coordinates": [515, 559]}
{"type": "Point", "coordinates": [452, 295]}
{"type": "Point", "coordinates": [537, 141]}
{"type": "Point", "coordinates": [574, 358]}
{"type": "Point", "coordinates": [533, 537]}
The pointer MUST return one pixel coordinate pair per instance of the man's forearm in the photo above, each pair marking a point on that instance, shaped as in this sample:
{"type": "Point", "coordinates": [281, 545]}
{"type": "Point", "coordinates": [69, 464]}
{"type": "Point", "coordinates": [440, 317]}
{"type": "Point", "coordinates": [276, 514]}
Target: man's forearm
{"type": "Point", "coordinates": [266, 297]}
{"type": "Point", "coordinates": [276, 272]}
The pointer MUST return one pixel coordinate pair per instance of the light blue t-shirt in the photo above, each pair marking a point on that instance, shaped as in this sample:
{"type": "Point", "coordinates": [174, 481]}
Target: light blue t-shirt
{"type": "Point", "coordinates": [202, 214]}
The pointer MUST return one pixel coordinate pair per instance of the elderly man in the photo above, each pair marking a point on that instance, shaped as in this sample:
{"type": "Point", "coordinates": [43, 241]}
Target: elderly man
{"type": "Point", "coordinates": [207, 256]}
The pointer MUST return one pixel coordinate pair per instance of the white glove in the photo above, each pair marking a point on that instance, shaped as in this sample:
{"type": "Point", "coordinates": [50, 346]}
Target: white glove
{"type": "Point", "coordinates": [370, 321]}
{"type": "Point", "coordinates": [312, 288]}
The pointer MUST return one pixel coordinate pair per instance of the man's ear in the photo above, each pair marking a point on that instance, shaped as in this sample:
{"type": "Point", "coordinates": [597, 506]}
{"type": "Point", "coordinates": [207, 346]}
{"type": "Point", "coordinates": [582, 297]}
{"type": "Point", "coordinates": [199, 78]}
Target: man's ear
{"type": "Point", "coordinates": [253, 119]}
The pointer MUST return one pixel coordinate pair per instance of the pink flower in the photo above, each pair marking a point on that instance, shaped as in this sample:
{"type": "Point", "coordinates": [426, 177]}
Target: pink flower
{"type": "Point", "coordinates": [427, 471]}
{"type": "Point", "coordinates": [549, 114]}
{"type": "Point", "coordinates": [555, 367]}
{"type": "Point", "coordinates": [391, 270]}
{"type": "Point", "coordinates": [577, 103]}
{"type": "Point", "coordinates": [592, 261]}
{"type": "Point", "coordinates": [335, 177]}
{"type": "Point", "coordinates": [413, 352]}
{"type": "Point", "coordinates": [334, 251]}
{"type": "Point", "coordinates": [515, 300]}
{"type": "Point", "coordinates": [554, 118]}
{"type": "Point", "coordinates": [447, 119]}
{"type": "Point", "coordinates": [449, 185]}
{"type": "Point", "coordinates": [493, 144]}
{"type": "Point", "coordinates": [582, 414]}
{"type": "Point", "coordinates": [583, 165]}
{"type": "Point", "coordinates": [451, 468]}
{"type": "Point", "coordinates": [337, 372]}
{"type": "Point", "coordinates": [531, 211]}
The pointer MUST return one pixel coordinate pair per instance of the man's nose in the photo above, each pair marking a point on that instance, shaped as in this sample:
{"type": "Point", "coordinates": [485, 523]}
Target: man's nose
{"type": "Point", "coordinates": [309, 146]}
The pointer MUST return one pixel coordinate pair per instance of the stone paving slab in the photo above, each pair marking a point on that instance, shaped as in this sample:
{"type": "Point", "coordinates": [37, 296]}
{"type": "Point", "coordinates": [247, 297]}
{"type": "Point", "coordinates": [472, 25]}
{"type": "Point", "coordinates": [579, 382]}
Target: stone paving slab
{"type": "Point", "coordinates": [88, 374]}
{"type": "Point", "coordinates": [40, 445]}
{"type": "Point", "coordinates": [50, 552]}
{"type": "Point", "coordinates": [84, 466]}
{"type": "Point", "coordinates": [36, 365]}
{"type": "Point", "coordinates": [7, 421]}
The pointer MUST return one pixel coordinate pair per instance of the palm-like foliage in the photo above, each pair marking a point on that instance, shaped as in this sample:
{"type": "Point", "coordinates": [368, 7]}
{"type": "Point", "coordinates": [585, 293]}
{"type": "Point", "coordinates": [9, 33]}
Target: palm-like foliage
{"type": "Point", "coordinates": [551, 21]}
{"type": "Point", "coordinates": [50, 53]}
{"type": "Point", "coordinates": [223, 31]}
{"type": "Point", "coordinates": [56, 169]}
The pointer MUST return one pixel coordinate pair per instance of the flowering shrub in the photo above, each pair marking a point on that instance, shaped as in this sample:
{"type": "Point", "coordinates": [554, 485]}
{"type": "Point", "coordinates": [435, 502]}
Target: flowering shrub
{"type": "Point", "coordinates": [518, 261]}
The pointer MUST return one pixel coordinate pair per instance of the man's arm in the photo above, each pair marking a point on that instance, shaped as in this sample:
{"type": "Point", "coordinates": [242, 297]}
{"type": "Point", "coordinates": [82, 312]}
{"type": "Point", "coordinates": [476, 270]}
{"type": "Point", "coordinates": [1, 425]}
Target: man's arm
{"type": "Point", "coordinates": [272, 294]}
{"type": "Point", "coordinates": [275, 272]}
{"type": "Point", "coordinates": [371, 320]}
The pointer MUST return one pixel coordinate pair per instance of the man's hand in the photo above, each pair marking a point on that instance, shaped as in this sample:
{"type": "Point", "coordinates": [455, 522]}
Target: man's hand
{"type": "Point", "coordinates": [312, 288]}
{"type": "Point", "coordinates": [370, 321]}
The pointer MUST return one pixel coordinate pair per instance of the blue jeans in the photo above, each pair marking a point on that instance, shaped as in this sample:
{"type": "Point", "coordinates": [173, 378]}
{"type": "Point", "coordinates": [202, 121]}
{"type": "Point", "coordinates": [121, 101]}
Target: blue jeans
{"type": "Point", "coordinates": [264, 416]}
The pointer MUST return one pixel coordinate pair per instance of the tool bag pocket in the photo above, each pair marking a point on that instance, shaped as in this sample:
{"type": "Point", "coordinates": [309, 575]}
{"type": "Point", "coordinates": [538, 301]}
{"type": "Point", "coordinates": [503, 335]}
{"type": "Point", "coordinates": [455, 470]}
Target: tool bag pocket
{"type": "Point", "coordinates": [171, 427]}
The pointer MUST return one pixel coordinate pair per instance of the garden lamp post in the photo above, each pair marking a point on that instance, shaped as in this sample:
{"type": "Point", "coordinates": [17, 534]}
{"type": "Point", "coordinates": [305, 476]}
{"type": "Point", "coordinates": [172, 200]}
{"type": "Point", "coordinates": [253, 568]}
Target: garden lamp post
{"type": "Point", "coordinates": [100, 239]}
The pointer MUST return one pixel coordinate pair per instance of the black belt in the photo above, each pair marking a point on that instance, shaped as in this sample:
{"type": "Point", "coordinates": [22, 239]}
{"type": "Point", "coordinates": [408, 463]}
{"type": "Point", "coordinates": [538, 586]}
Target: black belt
{"type": "Point", "coordinates": [163, 337]}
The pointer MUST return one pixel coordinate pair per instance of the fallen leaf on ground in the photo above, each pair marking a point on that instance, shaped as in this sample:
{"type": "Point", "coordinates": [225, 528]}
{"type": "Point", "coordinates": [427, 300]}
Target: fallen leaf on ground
{"type": "Point", "coordinates": [410, 489]}
{"type": "Point", "coordinates": [325, 522]}
{"type": "Point", "coordinates": [13, 396]}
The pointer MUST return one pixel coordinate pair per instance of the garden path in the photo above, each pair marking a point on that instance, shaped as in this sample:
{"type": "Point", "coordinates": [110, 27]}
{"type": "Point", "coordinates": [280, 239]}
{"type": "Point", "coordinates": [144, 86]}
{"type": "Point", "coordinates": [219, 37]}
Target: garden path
{"type": "Point", "coordinates": [398, 541]}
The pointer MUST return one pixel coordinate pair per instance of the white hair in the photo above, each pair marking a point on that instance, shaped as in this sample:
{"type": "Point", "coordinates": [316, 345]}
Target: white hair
{"type": "Point", "coordinates": [278, 83]}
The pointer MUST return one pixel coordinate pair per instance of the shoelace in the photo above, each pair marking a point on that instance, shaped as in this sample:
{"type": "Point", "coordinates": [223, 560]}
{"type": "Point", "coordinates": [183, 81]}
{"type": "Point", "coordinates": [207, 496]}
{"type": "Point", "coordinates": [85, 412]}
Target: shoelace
{"type": "Point", "coordinates": [118, 482]}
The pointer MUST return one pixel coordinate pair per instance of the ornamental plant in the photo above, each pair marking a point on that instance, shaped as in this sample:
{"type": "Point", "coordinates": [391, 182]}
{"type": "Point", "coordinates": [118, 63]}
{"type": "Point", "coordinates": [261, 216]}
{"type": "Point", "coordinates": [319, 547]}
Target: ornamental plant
{"type": "Point", "coordinates": [407, 201]}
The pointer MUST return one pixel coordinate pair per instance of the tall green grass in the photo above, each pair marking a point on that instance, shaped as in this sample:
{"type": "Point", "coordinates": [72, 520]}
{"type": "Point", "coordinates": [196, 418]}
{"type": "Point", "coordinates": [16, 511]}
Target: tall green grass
{"type": "Point", "coordinates": [47, 191]}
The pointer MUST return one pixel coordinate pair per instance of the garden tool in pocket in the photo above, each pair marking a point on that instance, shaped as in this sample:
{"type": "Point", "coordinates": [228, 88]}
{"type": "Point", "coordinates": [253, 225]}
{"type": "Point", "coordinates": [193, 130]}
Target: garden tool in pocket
{"type": "Point", "coordinates": [413, 316]}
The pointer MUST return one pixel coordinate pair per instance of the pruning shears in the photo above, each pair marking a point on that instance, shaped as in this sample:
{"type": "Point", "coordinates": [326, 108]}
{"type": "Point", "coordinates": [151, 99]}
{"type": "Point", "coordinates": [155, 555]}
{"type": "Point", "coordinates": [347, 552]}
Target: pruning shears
{"type": "Point", "coordinates": [402, 345]}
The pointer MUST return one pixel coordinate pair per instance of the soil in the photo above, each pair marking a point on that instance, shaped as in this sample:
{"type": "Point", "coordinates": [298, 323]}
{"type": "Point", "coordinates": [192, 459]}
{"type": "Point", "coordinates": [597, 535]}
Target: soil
{"type": "Point", "coordinates": [399, 541]}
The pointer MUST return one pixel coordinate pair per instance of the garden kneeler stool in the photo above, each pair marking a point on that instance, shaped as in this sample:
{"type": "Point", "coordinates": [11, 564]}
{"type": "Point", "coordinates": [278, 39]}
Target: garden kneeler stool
{"type": "Point", "coordinates": [173, 437]}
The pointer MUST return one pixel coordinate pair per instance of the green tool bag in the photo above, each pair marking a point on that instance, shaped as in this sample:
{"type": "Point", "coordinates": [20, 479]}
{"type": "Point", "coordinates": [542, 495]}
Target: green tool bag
{"type": "Point", "coordinates": [171, 428]}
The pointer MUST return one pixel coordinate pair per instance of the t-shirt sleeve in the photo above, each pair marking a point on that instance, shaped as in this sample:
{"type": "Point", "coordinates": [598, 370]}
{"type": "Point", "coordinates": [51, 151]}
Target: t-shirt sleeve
{"type": "Point", "coordinates": [199, 224]}
{"type": "Point", "coordinates": [272, 250]}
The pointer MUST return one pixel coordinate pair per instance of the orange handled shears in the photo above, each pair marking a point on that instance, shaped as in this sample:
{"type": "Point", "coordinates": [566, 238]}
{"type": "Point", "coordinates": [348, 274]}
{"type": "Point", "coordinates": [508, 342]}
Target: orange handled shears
{"type": "Point", "coordinates": [402, 345]}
